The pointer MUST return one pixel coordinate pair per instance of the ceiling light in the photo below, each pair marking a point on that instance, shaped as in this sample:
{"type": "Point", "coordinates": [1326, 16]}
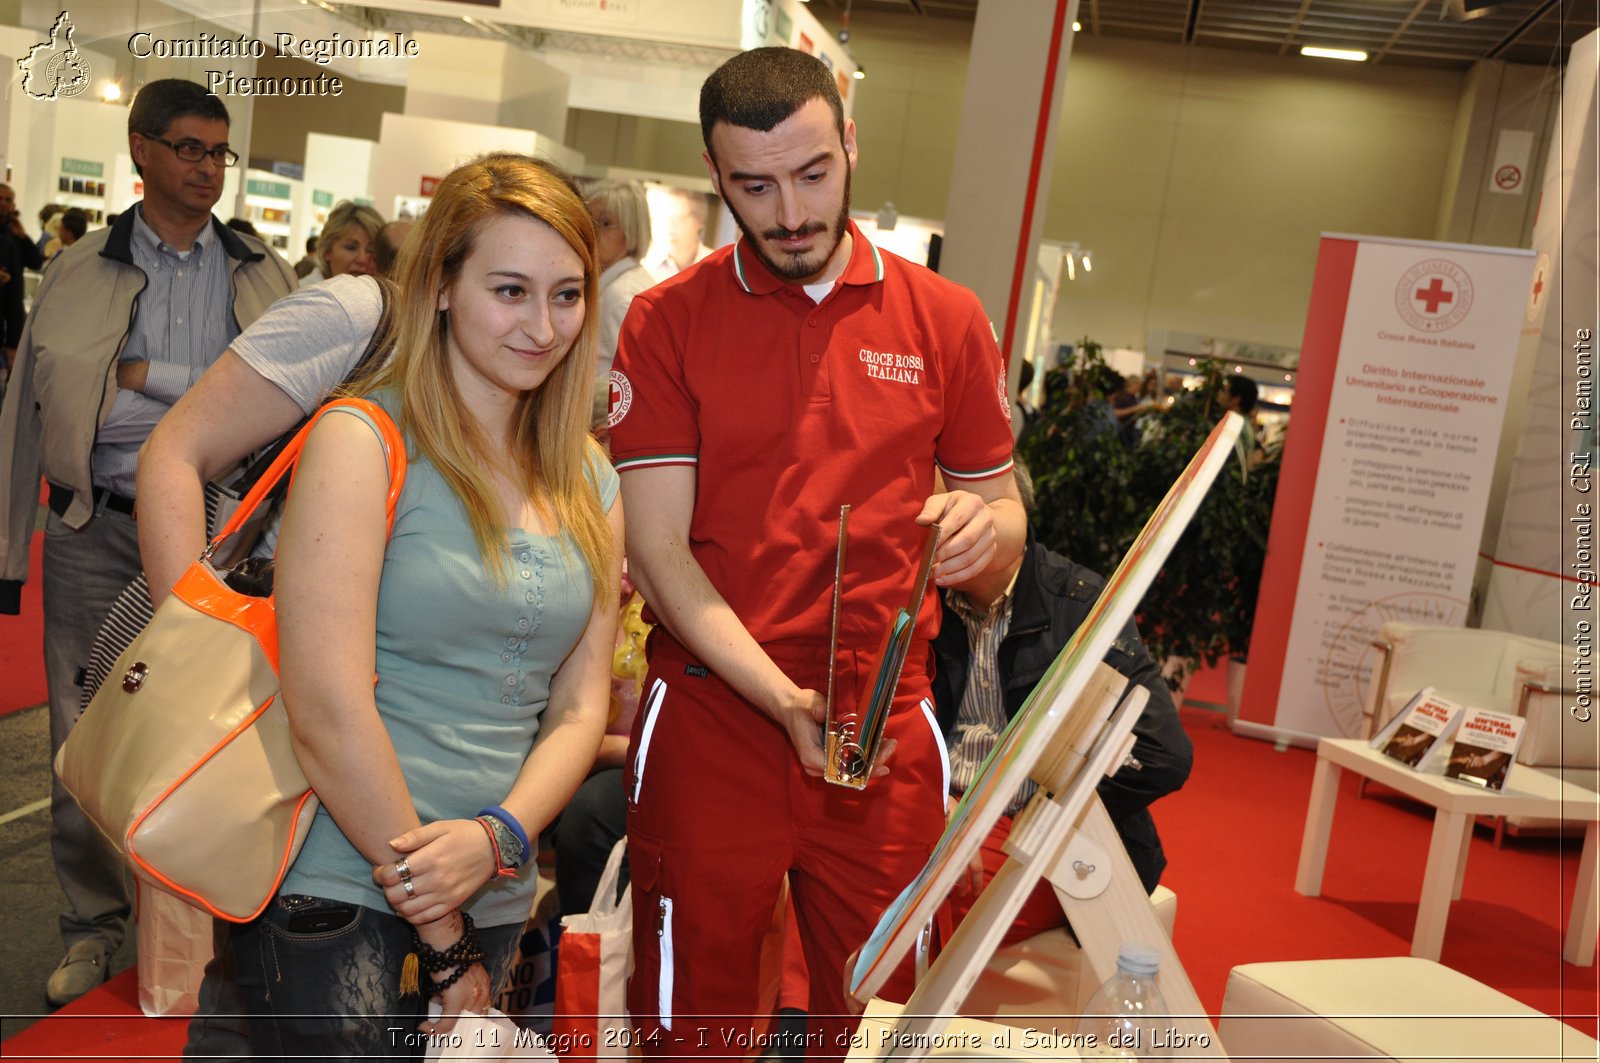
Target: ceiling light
{"type": "Point", "coordinates": [859, 73]}
{"type": "Point", "coordinates": [110, 91]}
{"type": "Point", "coordinates": [1077, 27]}
{"type": "Point", "coordinates": [1072, 267]}
{"type": "Point", "coordinates": [1351, 54]}
{"type": "Point", "coordinates": [1088, 266]}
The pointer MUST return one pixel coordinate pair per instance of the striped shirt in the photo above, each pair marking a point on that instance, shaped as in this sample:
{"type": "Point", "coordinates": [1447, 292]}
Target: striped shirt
{"type": "Point", "coordinates": [982, 717]}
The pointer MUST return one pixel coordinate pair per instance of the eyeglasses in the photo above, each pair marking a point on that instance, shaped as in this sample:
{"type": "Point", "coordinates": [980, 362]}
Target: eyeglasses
{"type": "Point", "coordinates": [194, 151]}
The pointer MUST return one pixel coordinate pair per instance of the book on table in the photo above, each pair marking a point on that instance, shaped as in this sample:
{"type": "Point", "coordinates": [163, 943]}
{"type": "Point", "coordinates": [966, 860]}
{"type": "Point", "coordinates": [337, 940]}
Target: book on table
{"type": "Point", "coordinates": [1419, 735]}
{"type": "Point", "coordinates": [1485, 748]}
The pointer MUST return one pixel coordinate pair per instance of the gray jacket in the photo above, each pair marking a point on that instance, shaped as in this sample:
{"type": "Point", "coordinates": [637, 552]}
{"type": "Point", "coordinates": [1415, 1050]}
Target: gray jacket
{"type": "Point", "coordinates": [65, 377]}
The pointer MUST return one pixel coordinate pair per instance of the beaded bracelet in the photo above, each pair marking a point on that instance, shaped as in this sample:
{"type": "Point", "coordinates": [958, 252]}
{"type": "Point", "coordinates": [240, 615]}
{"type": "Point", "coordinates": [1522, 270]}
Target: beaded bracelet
{"type": "Point", "coordinates": [442, 984]}
{"type": "Point", "coordinates": [463, 954]}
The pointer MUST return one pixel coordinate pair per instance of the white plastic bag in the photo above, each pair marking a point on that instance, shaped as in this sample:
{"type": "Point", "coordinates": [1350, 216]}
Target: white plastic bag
{"type": "Point", "coordinates": [490, 1036]}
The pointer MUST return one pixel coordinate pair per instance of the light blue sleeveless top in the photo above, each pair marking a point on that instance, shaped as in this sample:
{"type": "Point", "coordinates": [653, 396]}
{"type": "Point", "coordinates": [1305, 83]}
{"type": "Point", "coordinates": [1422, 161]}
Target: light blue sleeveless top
{"type": "Point", "coordinates": [464, 669]}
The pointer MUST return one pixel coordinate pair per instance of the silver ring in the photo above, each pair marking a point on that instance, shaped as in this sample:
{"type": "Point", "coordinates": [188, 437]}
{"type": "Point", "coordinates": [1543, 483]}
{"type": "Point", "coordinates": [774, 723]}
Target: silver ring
{"type": "Point", "coordinates": [411, 888]}
{"type": "Point", "coordinates": [403, 868]}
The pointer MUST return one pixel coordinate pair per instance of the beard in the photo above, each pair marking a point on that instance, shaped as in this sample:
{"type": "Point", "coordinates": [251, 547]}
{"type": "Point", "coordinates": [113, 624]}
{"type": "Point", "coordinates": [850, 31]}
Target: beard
{"type": "Point", "coordinates": [797, 267]}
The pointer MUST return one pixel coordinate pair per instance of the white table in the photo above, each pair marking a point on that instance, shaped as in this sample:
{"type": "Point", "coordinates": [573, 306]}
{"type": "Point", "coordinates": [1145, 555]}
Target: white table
{"type": "Point", "coordinates": [1456, 804]}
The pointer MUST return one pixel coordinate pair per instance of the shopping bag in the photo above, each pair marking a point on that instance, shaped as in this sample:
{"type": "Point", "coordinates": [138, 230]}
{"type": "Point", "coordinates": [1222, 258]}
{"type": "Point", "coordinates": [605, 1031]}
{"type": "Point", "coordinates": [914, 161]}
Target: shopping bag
{"type": "Point", "coordinates": [174, 947]}
{"type": "Point", "coordinates": [591, 1013]}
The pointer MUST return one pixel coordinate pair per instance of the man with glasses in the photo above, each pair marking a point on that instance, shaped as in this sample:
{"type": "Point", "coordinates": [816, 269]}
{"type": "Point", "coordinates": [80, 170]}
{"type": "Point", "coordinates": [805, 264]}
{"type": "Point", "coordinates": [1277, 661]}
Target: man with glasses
{"type": "Point", "coordinates": [124, 322]}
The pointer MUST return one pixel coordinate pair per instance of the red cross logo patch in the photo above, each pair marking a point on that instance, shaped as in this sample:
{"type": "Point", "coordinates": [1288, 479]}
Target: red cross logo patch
{"type": "Point", "coordinates": [1434, 295]}
{"type": "Point", "coordinates": [620, 399]}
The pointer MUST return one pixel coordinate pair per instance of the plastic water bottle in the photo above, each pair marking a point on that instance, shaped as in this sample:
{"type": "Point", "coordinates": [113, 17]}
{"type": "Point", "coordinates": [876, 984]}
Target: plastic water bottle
{"type": "Point", "coordinates": [1127, 1016]}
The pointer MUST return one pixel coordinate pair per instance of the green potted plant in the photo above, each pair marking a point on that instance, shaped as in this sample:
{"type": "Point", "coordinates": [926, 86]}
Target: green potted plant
{"type": "Point", "coordinates": [1094, 493]}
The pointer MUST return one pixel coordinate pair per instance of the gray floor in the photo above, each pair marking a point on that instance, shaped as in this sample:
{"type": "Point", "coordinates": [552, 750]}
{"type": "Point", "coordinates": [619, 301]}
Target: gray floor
{"type": "Point", "coordinates": [30, 899]}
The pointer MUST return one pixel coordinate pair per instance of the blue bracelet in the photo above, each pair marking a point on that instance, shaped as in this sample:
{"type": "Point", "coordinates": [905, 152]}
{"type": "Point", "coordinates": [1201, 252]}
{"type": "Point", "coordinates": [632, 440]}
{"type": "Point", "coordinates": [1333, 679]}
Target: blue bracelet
{"type": "Point", "coordinates": [516, 828]}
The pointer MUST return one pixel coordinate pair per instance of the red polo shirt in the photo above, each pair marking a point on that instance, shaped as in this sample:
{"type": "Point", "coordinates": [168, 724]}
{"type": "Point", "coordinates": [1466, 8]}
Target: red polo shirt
{"type": "Point", "coordinates": [789, 408]}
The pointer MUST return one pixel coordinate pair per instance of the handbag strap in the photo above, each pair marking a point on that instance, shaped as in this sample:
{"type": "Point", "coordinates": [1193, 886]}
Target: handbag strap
{"type": "Point", "coordinates": [394, 451]}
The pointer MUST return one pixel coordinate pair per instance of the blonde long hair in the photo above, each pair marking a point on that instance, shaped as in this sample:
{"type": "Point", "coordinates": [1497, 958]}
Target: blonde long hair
{"type": "Point", "coordinates": [551, 447]}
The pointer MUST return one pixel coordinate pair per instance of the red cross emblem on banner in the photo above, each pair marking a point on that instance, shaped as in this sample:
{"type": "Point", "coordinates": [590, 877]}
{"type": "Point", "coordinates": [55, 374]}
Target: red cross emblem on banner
{"type": "Point", "coordinates": [1434, 295]}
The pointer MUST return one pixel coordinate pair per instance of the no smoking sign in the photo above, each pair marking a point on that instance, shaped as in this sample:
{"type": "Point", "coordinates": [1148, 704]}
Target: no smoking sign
{"type": "Point", "coordinates": [1508, 178]}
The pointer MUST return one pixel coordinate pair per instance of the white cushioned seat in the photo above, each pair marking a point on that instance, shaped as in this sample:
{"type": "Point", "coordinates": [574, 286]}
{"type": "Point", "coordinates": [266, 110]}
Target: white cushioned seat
{"type": "Point", "coordinates": [1474, 666]}
{"type": "Point", "coordinates": [1373, 1008]}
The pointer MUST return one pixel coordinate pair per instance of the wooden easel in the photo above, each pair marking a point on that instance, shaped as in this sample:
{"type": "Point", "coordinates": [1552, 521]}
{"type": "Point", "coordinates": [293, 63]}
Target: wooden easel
{"type": "Point", "coordinates": [1065, 836]}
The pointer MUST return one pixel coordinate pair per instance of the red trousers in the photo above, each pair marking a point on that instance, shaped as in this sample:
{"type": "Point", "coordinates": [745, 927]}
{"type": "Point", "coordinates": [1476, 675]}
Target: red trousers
{"type": "Point", "coordinates": [719, 811]}
{"type": "Point", "coordinates": [1040, 912]}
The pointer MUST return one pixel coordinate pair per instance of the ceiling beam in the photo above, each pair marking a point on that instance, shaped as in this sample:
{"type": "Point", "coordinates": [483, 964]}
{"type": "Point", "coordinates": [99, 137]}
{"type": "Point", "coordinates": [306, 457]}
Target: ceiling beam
{"type": "Point", "coordinates": [1522, 27]}
{"type": "Point", "coordinates": [1400, 31]}
{"type": "Point", "coordinates": [1294, 27]}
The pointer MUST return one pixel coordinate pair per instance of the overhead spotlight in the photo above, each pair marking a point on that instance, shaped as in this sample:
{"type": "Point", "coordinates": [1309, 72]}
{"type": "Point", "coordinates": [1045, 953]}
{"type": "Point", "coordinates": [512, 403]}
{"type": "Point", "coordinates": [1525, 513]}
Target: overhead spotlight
{"type": "Point", "coordinates": [859, 73]}
{"type": "Point", "coordinates": [1238, 369]}
{"type": "Point", "coordinates": [1352, 55]}
{"type": "Point", "coordinates": [110, 91]}
{"type": "Point", "coordinates": [1077, 27]}
{"type": "Point", "coordinates": [1288, 376]}
{"type": "Point", "coordinates": [844, 34]}
{"type": "Point", "coordinates": [1088, 266]}
{"type": "Point", "coordinates": [1072, 266]}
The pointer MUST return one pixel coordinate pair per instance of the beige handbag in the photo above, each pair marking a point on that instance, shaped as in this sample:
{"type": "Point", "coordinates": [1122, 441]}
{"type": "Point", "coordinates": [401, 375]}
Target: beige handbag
{"type": "Point", "coordinates": [183, 757]}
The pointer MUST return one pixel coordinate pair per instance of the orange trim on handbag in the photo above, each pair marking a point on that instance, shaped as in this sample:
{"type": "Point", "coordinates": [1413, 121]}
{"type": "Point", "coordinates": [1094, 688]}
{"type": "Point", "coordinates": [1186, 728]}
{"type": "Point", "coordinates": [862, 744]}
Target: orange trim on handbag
{"type": "Point", "coordinates": [196, 899]}
{"type": "Point", "coordinates": [203, 589]}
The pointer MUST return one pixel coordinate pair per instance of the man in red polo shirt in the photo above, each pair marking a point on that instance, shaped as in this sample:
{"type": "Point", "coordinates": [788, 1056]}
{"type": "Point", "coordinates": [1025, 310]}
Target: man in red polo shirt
{"type": "Point", "coordinates": [755, 393]}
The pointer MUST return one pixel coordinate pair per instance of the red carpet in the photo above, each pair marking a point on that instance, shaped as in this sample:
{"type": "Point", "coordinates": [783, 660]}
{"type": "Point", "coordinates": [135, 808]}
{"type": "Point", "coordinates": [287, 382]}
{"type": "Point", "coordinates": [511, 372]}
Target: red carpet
{"type": "Point", "coordinates": [1233, 837]}
{"type": "Point", "coordinates": [22, 642]}
{"type": "Point", "coordinates": [104, 1025]}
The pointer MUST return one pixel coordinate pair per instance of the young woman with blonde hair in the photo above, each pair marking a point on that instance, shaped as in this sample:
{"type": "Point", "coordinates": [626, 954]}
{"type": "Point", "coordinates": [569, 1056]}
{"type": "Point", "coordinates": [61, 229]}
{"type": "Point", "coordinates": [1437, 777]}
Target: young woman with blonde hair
{"type": "Point", "coordinates": [488, 617]}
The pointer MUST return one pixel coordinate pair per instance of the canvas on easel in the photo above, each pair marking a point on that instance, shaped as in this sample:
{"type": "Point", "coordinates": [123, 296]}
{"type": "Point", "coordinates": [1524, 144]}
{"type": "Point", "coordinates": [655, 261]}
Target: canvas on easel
{"type": "Point", "coordinates": [1061, 738]}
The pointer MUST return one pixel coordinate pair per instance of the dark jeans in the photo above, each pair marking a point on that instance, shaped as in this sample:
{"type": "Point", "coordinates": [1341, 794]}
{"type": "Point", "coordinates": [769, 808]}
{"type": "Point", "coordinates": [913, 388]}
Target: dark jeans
{"type": "Point", "coordinates": [591, 824]}
{"type": "Point", "coordinates": [332, 992]}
